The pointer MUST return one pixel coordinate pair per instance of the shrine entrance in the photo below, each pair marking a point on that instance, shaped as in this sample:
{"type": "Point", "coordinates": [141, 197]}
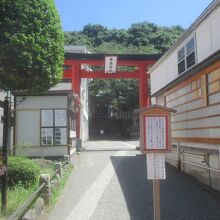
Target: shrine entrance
{"type": "Point", "coordinates": [103, 66]}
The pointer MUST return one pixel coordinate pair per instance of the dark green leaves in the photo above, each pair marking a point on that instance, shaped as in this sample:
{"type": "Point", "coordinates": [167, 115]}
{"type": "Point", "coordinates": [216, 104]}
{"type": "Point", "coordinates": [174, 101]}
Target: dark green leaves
{"type": "Point", "coordinates": [22, 170]}
{"type": "Point", "coordinates": [31, 45]}
{"type": "Point", "coordinates": [121, 94]}
{"type": "Point", "coordinates": [141, 37]}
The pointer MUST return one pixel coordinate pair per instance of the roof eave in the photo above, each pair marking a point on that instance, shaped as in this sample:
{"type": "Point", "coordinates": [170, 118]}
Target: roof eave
{"type": "Point", "coordinates": [197, 68]}
{"type": "Point", "coordinates": [155, 106]}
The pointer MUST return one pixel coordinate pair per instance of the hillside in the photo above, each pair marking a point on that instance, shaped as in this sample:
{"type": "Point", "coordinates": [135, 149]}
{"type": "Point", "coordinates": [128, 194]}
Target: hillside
{"type": "Point", "coordinates": [139, 38]}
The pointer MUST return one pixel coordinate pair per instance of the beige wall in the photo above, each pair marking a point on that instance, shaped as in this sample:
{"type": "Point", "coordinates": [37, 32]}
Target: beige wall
{"type": "Point", "coordinates": [28, 124]}
{"type": "Point", "coordinates": [40, 102]}
{"type": "Point", "coordinates": [197, 113]}
{"type": "Point", "coordinates": [28, 127]}
{"type": "Point", "coordinates": [214, 20]}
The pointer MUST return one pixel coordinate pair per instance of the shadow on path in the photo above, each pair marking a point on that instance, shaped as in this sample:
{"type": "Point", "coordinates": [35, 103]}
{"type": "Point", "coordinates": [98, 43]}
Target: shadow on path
{"type": "Point", "coordinates": [182, 197]}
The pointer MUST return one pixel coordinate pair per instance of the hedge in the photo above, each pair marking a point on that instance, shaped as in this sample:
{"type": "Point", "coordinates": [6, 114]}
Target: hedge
{"type": "Point", "coordinates": [23, 171]}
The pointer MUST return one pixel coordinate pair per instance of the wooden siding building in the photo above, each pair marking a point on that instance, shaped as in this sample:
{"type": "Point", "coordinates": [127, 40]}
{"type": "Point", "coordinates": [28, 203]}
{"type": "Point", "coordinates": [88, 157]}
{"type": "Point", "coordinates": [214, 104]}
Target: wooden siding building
{"type": "Point", "coordinates": [187, 78]}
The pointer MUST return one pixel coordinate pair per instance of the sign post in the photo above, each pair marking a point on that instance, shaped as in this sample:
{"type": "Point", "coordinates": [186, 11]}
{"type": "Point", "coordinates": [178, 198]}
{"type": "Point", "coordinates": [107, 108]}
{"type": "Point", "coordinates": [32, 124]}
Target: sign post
{"type": "Point", "coordinates": [156, 198]}
{"type": "Point", "coordinates": [156, 171]}
{"type": "Point", "coordinates": [155, 130]}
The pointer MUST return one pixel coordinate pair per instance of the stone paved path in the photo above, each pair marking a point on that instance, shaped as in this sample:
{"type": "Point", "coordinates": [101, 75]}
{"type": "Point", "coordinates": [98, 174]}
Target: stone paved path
{"type": "Point", "coordinates": [109, 183]}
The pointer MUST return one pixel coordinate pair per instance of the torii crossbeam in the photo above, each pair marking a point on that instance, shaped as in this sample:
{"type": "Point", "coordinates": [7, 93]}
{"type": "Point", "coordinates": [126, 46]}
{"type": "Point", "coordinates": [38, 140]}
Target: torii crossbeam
{"type": "Point", "coordinates": [78, 66]}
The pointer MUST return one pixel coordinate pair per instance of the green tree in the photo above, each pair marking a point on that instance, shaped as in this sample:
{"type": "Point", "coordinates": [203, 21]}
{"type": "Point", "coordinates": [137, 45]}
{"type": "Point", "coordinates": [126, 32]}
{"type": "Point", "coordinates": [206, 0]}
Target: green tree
{"type": "Point", "coordinates": [165, 37]}
{"type": "Point", "coordinates": [144, 37]}
{"type": "Point", "coordinates": [122, 94]}
{"type": "Point", "coordinates": [116, 48]}
{"type": "Point", "coordinates": [141, 32]}
{"type": "Point", "coordinates": [118, 36]}
{"type": "Point", "coordinates": [31, 45]}
{"type": "Point", "coordinates": [95, 32]}
{"type": "Point", "coordinates": [74, 38]}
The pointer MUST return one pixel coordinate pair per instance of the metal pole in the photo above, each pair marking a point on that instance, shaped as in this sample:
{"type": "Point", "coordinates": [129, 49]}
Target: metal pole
{"type": "Point", "coordinates": [6, 143]}
{"type": "Point", "coordinates": [156, 197]}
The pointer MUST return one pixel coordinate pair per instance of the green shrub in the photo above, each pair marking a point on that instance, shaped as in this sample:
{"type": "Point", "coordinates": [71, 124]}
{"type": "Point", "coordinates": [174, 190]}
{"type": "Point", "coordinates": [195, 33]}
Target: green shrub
{"type": "Point", "coordinates": [23, 171]}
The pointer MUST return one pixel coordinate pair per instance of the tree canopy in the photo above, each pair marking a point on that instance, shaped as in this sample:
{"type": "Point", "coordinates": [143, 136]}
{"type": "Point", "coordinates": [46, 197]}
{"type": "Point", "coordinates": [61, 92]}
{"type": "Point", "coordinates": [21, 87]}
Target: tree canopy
{"type": "Point", "coordinates": [31, 45]}
{"type": "Point", "coordinates": [122, 94]}
{"type": "Point", "coordinates": [144, 37]}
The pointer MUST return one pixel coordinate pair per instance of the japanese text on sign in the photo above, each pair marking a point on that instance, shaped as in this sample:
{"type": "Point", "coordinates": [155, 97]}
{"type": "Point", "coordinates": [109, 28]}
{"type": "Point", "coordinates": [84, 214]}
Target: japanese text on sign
{"type": "Point", "coordinates": [156, 166]}
{"type": "Point", "coordinates": [155, 132]}
{"type": "Point", "coordinates": [110, 64]}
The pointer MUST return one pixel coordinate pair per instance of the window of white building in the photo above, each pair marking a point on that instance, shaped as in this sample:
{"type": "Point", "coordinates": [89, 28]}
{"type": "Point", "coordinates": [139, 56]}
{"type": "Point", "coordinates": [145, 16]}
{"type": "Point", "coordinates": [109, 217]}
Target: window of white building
{"type": "Point", "coordinates": [53, 127]}
{"type": "Point", "coordinates": [186, 56]}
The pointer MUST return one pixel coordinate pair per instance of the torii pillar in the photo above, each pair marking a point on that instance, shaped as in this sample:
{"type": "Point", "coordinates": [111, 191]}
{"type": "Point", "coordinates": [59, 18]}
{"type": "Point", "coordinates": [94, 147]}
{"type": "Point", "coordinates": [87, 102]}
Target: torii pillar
{"type": "Point", "coordinates": [74, 61]}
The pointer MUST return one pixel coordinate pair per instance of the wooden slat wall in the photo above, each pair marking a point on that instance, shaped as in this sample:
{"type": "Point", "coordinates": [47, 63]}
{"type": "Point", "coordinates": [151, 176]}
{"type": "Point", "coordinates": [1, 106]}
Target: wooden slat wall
{"type": "Point", "coordinates": [197, 102]}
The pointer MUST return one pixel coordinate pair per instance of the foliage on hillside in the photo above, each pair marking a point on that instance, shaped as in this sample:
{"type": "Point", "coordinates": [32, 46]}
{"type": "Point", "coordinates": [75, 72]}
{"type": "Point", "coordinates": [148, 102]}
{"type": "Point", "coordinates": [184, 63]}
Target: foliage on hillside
{"type": "Point", "coordinates": [142, 37]}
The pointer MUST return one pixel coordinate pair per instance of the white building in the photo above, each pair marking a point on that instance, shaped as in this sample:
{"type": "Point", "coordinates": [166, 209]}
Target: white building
{"type": "Point", "coordinates": [187, 78]}
{"type": "Point", "coordinates": [45, 124]}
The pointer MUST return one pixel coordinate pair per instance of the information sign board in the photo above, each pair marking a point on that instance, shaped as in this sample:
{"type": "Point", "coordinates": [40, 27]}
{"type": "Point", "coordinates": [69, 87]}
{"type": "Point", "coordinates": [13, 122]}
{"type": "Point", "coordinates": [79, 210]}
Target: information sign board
{"type": "Point", "coordinates": [156, 166]}
{"type": "Point", "coordinates": [155, 132]}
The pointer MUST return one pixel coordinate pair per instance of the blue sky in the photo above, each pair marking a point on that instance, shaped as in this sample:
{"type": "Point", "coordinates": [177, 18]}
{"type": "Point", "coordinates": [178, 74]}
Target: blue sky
{"type": "Point", "coordinates": [75, 14]}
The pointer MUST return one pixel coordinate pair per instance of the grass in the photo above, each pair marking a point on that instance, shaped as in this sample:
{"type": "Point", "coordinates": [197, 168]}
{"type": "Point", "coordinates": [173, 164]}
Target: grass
{"type": "Point", "coordinates": [18, 194]}
{"type": "Point", "coordinates": [56, 193]}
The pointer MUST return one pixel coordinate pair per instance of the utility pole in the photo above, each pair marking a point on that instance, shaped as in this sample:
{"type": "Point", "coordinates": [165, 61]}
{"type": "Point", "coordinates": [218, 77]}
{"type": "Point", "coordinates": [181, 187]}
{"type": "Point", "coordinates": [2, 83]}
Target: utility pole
{"type": "Point", "coordinates": [6, 145]}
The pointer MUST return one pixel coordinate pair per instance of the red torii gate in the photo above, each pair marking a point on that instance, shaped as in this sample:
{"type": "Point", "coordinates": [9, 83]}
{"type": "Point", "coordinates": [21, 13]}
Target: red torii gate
{"type": "Point", "coordinates": [140, 63]}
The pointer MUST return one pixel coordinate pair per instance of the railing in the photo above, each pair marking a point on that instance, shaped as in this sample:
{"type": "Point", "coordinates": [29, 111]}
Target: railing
{"type": "Point", "coordinates": [124, 115]}
{"type": "Point", "coordinates": [194, 155]}
{"type": "Point", "coordinates": [24, 207]}
{"type": "Point", "coordinates": [181, 154]}
{"type": "Point", "coordinates": [171, 158]}
{"type": "Point", "coordinates": [53, 176]}
{"type": "Point", "coordinates": [118, 115]}
{"type": "Point", "coordinates": [174, 151]}
{"type": "Point", "coordinates": [201, 166]}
